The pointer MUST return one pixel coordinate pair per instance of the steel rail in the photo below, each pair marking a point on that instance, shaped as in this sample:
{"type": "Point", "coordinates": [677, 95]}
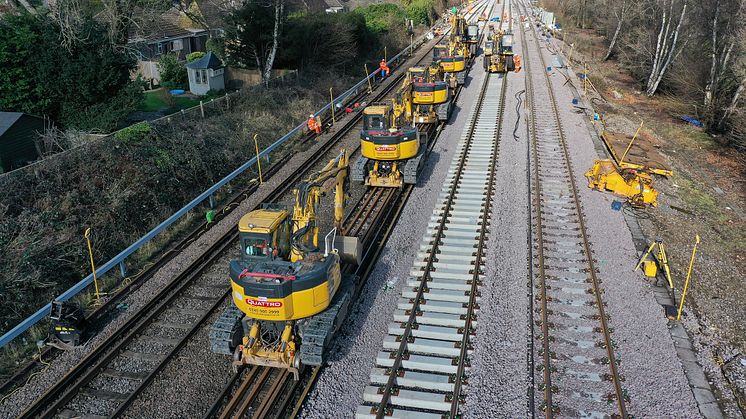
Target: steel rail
{"type": "Point", "coordinates": [608, 343]}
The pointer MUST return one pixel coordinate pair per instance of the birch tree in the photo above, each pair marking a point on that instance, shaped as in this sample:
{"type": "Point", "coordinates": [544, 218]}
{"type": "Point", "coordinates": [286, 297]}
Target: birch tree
{"type": "Point", "coordinates": [667, 47]}
{"type": "Point", "coordinates": [620, 13]}
{"type": "Point", "coordinates": [254, 35]}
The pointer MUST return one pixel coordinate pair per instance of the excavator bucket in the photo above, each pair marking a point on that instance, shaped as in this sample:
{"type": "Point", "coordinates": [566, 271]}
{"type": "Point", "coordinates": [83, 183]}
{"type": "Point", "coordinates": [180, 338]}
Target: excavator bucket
{"type": "Point", "coordinates": [349, 249]}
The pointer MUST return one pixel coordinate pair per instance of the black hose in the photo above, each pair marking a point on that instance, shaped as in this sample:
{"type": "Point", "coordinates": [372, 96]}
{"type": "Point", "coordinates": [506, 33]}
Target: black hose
{"type": "Point", "coordinates": [518, 113]}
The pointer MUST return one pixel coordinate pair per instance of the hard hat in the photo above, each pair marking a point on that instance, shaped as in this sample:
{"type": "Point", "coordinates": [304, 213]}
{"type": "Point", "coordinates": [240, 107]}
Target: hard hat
{"type": "Point", "coordinates": [310, 116]}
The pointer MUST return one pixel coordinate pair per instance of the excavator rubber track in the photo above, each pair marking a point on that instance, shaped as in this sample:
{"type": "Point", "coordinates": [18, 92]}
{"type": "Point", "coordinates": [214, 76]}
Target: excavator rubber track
{"type": "Point", "coordinates": [444, 111]}
{"type": "Point", "coordinates": [412, 168]}
{"type": "Point", "coordinates": [359, 171]}
{"type": "Point", "coordinates": [317, 332]}
{"type": "Point", "coordinates": [226, 332]}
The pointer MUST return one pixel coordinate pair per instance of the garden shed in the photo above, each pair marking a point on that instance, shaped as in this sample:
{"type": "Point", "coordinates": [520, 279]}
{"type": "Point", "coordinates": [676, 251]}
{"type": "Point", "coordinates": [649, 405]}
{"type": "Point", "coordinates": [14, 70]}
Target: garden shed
{"type": "Point", "coordinates": [206, 75]}
{"type": "Point", "coordinates": [18, 133]}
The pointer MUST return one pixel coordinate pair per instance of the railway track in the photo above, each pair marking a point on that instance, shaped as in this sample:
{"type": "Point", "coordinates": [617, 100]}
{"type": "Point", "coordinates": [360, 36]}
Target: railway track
{"type": "Point", "coordinates": [574, 362]}
{"type": "Point", "coordinates": [374, 201]}
{"type": "Point", "coordinates": [421, 371]}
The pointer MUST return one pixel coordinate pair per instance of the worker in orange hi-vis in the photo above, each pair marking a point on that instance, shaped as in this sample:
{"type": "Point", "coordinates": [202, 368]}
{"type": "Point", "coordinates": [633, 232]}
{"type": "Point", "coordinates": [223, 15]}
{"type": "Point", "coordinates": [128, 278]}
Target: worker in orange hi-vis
{"type": "Point", "coordinates": [517, 61]}
{"type": "Point", "coordinates": [313, 124]}
{"type": "Point", "coordinates": [384, 69]}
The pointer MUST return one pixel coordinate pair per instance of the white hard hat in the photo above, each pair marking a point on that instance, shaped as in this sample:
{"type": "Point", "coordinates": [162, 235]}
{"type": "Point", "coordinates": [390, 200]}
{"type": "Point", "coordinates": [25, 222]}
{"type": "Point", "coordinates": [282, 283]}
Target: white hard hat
{"type": "Point", "coordinates": [310, 116]}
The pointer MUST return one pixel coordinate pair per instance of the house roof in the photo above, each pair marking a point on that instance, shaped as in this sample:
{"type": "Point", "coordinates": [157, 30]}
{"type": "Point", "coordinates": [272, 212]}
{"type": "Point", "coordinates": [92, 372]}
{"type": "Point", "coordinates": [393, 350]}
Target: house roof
{"type": "Point", "coordinates": [214, 11]}
{"type": "Point", "coordinates": [167, 25]}
{"type": "Point", "coordinates": [7, 119]}
{"type": "Point", "coordinates": [208, 61]}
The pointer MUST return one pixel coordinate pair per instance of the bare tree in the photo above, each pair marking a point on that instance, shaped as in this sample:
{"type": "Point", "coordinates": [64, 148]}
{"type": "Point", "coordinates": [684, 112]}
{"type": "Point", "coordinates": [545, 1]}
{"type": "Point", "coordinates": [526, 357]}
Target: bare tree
{"type": "Point", "coordinates": [620, 14]}
{"type": "Point", "coordinates": [279, 6]}
{"type": "Point", "coordinates": [26, 5]}
{"type": "Point", "coordinates": [666, 46]}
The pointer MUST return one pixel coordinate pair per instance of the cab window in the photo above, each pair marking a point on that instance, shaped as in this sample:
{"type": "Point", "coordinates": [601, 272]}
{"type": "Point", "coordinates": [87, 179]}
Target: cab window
{"type": "Point", "coordinates": [375, 122]}
{"type": "Point", "coordinates": [255, 245]}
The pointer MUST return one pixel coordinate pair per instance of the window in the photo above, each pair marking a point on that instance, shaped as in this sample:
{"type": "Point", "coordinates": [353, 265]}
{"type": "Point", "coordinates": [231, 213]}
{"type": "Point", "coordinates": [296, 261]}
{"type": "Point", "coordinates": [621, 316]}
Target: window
{"type": "Point", "coordinates": [256, 246]}
{"type": "Point", "coordinates": [177, 45]}
{"type": "Point", "coordinates": [159, 48]}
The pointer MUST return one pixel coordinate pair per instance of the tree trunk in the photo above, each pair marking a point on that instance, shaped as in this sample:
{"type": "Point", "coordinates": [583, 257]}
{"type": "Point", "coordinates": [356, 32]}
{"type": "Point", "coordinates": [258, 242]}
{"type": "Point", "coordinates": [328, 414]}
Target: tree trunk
{"type": "Point", "coordinates": [712, 83]}
{"type": "Point", "coordinates": [733, 104]}
{"type": "Point", "coordinates": [26, 5]}
{"type": "Point", "coordinates": [665, 52]}
{"type": "Point", "coordinates": [610, 51]}
{"type": "Point", "coordinates": [267, 73]}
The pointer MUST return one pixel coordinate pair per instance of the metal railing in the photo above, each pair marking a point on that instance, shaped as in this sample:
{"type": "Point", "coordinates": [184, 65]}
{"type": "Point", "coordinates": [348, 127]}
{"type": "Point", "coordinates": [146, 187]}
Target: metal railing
{"type": "Point", "coordinates": [119, 260]}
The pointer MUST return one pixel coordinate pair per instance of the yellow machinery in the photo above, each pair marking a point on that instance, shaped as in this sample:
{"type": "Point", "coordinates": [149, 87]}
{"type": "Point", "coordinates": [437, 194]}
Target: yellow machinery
{"type": "Point", "coordinates": [635, 185]}
{"type": "Point", "coordinates": [391, 147]}
{"type": "Point", "coordinates": [498, 53]}
{"type": "Point", "coordinates": [453, 55]}
{"type": "Point", "coordinates": [283, 280]}
{"type": "Point", "coordinates": [431, 95]}
{"type": "Point", "coordinates": [629, 180]}
{"type": "Point", "coordinates": [650, 266]}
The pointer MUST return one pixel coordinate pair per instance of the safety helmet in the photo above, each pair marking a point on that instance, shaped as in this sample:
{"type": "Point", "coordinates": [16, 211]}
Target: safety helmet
{"type": "Point", "coordinates": [310, 116]}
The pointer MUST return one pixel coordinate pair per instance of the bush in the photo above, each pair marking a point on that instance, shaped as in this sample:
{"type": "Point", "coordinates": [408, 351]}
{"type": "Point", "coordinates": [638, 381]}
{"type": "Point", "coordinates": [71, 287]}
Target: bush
{"type": "Point", "coordinates": [85, 85]}
{"type": "Point", "coordinates": [422, 12]}
{"type": "Point", "coordinates": [173, 73]}
{"type": "Point", "coordinates": [380, 18]}
{"type": "Point", "coordinates": [133, 133]}
{"type": "Point", "coordinates": [217, 47]}
{"type": "Point", "coordinates": [194, 56]}
{"type": "Point", "coordinates": [105, 116]}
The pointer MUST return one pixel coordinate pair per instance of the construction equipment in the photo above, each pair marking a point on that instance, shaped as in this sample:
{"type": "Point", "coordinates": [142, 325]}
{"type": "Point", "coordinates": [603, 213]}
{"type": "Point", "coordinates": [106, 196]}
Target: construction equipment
{"type": "Point", "coordinates": [289, 295]}
{"type": "Point", "coordinates": [632, 181]}
{"type": "Point", "coordinates": [391, 149]}
{"type": "Point", "coordinates": [472, 38]}
{"type": "Point", "coordinates": [431, 96]}
{"type": "Point", "coordinates": [635, 185]}
{"type": "Point", "coordinates": [498, 52]}
{"type": "Point", "coordinates": [68, 325]}
{"type": "Point", "coordinates": [453, 55]}
{"type": "Point", "coordinates": [650, 267]}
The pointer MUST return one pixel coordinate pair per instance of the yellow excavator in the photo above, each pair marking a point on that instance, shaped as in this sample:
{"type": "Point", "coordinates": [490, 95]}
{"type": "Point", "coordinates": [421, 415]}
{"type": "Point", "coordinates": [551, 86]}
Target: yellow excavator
{"type": "Point", "coordinates": [498, 53]}
{"type": "Point", "coordinates": [431, 96]}
{"type": "Point", "coordinates": [289, 296]}
{"type": "Point", "coordinates": [392, 147]}
{"type": "Point", "coordinates": [453, 55]}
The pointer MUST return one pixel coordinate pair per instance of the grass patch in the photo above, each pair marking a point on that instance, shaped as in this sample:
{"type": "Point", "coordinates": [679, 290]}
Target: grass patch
{"type": "Point", "coordinates": [154, 101]}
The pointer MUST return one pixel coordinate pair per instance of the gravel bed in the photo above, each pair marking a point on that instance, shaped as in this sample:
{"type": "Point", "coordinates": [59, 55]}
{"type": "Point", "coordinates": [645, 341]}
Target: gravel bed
{"type": "Point", "coordinates": [131, 365]}
{"type": "Point", "coordinates": [340, 385]}
{"type": "Point", "coordinates": [189, 384]}
{"type": "Point", "coordinates": [645, 348]}
{"type": "Point", "coordinates": [85, 405]}
{"type": "Point", "coordinates": [498, 377]}
{"type": "Point", "coordinates": [120, 385]}
{"type": "Point", "coordinates": [146, 346]}
{"type": "Point", "coordinates": [164, 332]}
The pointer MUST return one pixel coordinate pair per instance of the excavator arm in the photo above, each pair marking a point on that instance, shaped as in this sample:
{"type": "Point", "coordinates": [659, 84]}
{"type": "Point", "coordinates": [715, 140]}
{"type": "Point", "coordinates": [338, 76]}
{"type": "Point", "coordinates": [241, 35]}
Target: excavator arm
{"type": "Point", "coordinates": [307, 197]}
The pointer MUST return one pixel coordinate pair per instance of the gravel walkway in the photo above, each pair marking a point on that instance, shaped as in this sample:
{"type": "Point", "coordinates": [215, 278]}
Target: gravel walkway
{"type": "Point", "coordinates": [340, 385]}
